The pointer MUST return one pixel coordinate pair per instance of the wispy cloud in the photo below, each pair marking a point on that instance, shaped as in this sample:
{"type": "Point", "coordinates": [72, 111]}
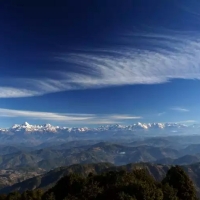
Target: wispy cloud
{"type": "Point", "coordinates": [179, 109]}
{"type": "Point", "coordinates": [187, 121]}
{"type": "Point", "coordinates": [162, 113]}
{"type": "Point", "coordinates": [6, 92]}
{"type": "Point", "coordinates": [68, 118]}
{"type": "Point", "coordinates": [165, 57]}
{"type": "Point", "coordinates": [124, 117]}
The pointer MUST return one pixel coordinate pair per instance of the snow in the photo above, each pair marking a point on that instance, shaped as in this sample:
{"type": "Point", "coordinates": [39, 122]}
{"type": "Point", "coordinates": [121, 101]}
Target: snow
{"type": "Point", "coordinates": [48, 128]}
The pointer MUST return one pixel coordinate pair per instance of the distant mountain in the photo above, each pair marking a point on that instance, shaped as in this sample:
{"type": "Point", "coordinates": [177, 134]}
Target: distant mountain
{"type": "Point", "coordinates": [17, 159]}
{"type": "Point", "coordinates": [8, 150]}
{"type": "Point", "coordinates": [48, 158]}
{"type": "Point", "coordinates": [49, 179]}
{"type": "Point", "coordinates": [103, 152]}
{"type": "Point", "coordinates": [192, 149]}
{"type": "Point", "coordinates": [26, 128]}
{"type": "Point", "coordinates": [163, 141]}
{"type": "Point", "coordinates": [9, 177]}
{"type": "Point", "coordinates": [187, 159]}
{"type": "Point", "coordinates": [37, 134]}
{"type": "Point", "coordinates": [184, 160]}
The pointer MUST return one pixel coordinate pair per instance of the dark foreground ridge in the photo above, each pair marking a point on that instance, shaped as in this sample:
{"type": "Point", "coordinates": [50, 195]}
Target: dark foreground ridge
{"type": "Point", "coordinates": [106, 181]}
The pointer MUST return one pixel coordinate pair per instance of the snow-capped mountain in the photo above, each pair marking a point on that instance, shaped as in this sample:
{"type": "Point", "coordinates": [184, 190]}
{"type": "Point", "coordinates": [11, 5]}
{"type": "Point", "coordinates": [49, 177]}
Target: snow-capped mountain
{"type": "Point", "coordinates": [26, 127]}
{"type": "Point", "coordinates": [47, 132]}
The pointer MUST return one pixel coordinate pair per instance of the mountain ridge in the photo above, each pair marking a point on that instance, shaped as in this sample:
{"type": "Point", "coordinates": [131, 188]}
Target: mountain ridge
{"type": "Point", "coordinates": [49, 179]}
{"type": "Point", "coordinates": [26, 127]}
{"type": "Point", "coordinates": [28, 134]}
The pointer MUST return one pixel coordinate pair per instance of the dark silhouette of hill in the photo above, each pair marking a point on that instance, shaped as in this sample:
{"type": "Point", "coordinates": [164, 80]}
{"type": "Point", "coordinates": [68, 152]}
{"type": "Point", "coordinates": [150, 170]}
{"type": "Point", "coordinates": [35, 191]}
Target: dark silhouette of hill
{"type": "Point", "coordinates": [49, 179]}
{"type": "Point", "coordinates": [121, 183]}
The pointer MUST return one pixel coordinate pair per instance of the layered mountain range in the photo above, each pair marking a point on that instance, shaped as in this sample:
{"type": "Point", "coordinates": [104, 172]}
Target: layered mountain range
{"type": "Point", "coordinates": [20, 162]}
{"type": "Point", "coordinates": [37, 134]}
{"type": "Point", "coordinates": [28, 152]}
{"type": "Point", "coordinates": [28, 128]}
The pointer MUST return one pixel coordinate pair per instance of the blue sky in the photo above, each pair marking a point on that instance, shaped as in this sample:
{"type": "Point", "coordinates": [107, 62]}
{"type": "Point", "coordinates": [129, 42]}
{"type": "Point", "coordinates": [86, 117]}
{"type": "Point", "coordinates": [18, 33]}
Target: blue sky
{"type": "Point", "coordinates": [80, 63]}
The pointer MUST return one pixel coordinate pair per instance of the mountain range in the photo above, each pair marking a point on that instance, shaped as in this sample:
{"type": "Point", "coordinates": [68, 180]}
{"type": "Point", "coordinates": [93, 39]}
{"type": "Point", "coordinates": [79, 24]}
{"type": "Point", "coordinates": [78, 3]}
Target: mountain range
{"type": "Point", "coordinates": [20, 163]}
{"type": "Point", "coordinates": [28, 128]}
{"type": "Point", "coordinates": [49, 158]}
{"type": "Point", "coordinates": [37, 134]}
{"type": "Point", "coordinates": [37, 151]}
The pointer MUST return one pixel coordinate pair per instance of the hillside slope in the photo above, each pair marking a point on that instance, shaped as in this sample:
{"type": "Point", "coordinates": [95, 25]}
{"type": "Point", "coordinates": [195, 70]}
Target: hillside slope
{"type": "Point", "coordinates": [49, 179]}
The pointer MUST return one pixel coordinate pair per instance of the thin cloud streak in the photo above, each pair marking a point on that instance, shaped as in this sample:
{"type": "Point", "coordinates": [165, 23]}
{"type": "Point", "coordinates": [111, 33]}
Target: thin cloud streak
{"type": "Point", "coordinates": [124, 117]}
{"type": "Point", "coordinates": [167, 58]}
{"type": "Point", "coordinates": [162, 113]}
{"type": "Point", "coordinates": [180, 109]}
{"type": "Point", "coordinates": [7, 92]}
{"type": "Point", "coordinates": [188, 121]}
{"type": "Point", "coordinates": [68, 118]}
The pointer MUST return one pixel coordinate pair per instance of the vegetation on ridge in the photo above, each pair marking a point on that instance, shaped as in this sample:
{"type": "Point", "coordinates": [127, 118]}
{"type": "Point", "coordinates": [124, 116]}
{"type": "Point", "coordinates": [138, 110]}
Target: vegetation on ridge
{"type": "Point", "coordinates": [119, 185]}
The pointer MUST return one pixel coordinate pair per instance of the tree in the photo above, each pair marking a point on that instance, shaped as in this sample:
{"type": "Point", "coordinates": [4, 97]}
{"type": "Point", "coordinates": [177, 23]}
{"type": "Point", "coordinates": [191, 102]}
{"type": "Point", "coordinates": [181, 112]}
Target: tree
{"type": "Point", "coordinates": [91, 191]}
{"type": "Point", "coordinates": [3, 197]}
{"type": "Point", "coordinates": [169, 193]}
{"type": "Point", "coordinates": [14, 196]}
{"type": "Point", "coordinates": [124, 196]}
{"type": "Point", "coordinates": [68, 185]}
{"type": "Point", "coordinates": [70, 197]}
{"type": "Point", "coordinates": [178, 179]}
{"type": "Point", "coordinates": [50, 196]}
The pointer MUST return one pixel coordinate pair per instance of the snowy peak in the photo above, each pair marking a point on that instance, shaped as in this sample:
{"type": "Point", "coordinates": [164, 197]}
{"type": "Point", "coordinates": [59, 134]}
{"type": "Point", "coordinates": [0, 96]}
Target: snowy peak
{"type": "Point", "coordinates": [38, 134]}
{"type": "Point", "coordinates": [15, 126]}
{"type": "Point", "coordinates": [47, 125]}
{"type": "Point", "coordinates": [26, 127]}
{"type": "Point", "coordinates": [48, 128]}
{"type": "Point", "coordinates": [25, 124]}
{"type": "Point", "coordinates": [18, 126]}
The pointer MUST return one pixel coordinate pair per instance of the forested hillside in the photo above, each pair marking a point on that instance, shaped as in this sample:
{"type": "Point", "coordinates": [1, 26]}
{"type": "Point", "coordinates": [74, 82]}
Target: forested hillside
{"type": "Point", "coordinates": [119, 185]}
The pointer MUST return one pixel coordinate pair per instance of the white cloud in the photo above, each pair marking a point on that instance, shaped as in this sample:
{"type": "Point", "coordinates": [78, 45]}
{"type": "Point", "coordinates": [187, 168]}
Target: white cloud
{"type": "Point", "coordinates": [180, 109]}
{"type": "Point", "coordinates": [67, 118]}
{"type": "Point", "coordinates": [6, 92]}
{"type": "Point", "coordinates": [162, 113]}
{"type": "Point", "coordinates": [131, 66]}
{"type": "Point", "coordinates": [124, 117]}
{"type": "Point", "coordinates": [187, 121]}
{"type": "Point", "coordinates": [165, 57]}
